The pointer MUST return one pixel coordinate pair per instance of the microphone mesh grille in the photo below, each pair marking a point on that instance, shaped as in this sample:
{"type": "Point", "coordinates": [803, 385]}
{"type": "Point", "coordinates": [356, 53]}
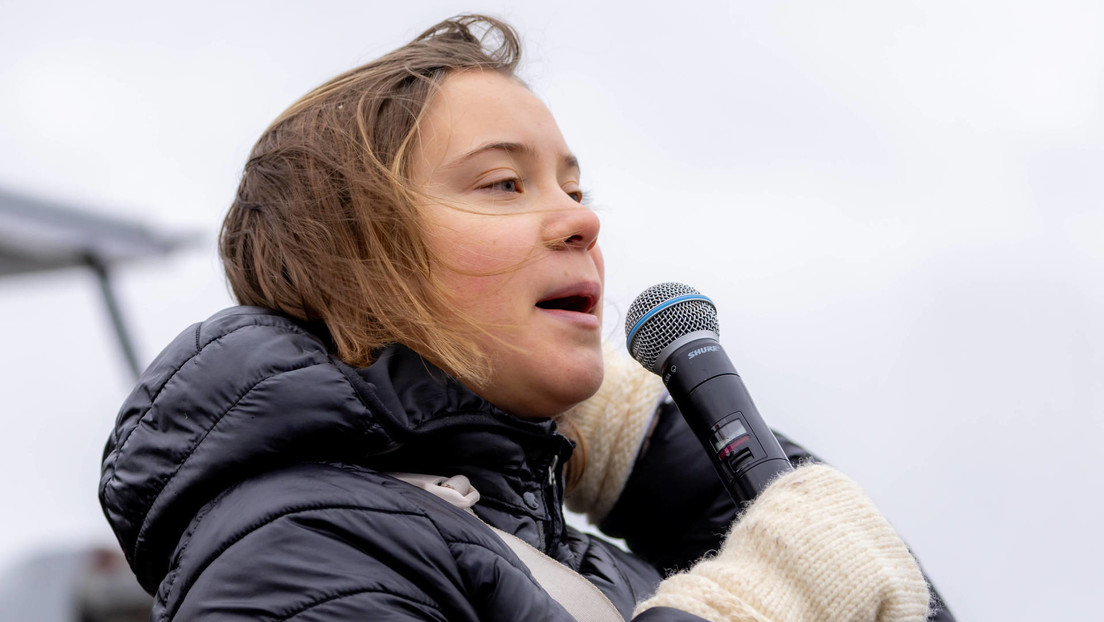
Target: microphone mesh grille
{"type": "Point", "coordinates": [670, 323]}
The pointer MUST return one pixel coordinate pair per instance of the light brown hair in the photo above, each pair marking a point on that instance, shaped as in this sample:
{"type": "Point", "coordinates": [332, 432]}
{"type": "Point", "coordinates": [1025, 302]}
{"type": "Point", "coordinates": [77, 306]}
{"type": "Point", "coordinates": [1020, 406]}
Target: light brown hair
{"type": "Point", "coordinates": [325, 226]}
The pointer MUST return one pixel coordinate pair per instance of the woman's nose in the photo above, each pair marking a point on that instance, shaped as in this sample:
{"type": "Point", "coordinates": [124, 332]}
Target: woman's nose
{"type": "Point", "coordinates": [573, 225]}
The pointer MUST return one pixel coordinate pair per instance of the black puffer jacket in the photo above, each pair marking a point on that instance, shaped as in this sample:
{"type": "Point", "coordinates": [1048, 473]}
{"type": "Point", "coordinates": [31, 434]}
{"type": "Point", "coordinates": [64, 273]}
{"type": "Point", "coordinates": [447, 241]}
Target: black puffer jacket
{"type": "Point", "coordinates": [243, 480]}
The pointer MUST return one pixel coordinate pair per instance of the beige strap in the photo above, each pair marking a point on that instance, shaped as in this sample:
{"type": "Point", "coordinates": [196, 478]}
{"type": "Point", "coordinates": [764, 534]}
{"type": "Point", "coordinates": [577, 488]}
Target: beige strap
{"type": "Point", "coordinates": [581, 599]}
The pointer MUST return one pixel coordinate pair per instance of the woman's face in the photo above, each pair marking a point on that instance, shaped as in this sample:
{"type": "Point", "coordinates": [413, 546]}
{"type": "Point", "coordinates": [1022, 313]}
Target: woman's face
{"type": "Point", "coordinates": [518, 251]}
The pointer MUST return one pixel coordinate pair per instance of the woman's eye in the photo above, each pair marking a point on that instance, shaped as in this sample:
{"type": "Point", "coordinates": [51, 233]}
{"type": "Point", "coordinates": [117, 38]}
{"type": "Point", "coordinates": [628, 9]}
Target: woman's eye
{"type": "Point", "coordinates": [577, 195]}
{"type": "Point", "coordinates": [506, 185]}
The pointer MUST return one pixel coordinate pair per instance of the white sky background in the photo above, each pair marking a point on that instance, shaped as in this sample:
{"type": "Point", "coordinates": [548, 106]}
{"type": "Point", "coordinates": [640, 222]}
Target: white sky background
{"type": "Point", "coordinates": [898, 208]}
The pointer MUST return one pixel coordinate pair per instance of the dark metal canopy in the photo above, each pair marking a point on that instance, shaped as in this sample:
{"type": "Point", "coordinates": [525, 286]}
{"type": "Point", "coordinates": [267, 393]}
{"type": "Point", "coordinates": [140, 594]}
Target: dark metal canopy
{"type": "Point", "coordinates": [38, 235]}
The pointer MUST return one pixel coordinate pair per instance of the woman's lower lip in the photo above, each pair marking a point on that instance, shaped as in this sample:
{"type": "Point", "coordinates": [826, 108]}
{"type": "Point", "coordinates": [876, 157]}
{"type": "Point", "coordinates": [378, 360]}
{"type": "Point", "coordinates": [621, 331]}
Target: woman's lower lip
{"type": "Point", "coordinates": [584, 319]}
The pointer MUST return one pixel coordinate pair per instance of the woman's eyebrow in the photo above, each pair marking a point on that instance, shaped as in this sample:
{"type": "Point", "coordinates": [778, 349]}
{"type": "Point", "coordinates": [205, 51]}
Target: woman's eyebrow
{"type": "Point", "coordinates": [569, 160]}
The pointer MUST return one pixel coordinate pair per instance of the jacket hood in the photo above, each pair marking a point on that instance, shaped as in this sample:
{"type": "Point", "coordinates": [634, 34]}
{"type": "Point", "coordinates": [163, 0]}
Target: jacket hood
{"type": "Point", "coordinates": [248, 391]}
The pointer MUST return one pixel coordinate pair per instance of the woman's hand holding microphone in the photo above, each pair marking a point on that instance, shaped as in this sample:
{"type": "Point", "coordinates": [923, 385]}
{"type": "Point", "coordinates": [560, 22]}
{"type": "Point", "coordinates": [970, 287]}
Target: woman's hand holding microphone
{"type": "Point", "coordinates": [811, 547]}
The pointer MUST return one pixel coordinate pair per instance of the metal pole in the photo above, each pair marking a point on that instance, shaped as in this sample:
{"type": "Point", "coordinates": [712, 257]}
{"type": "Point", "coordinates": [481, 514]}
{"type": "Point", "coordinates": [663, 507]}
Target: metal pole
{"type": "Point", "coordinates": [112, 304]}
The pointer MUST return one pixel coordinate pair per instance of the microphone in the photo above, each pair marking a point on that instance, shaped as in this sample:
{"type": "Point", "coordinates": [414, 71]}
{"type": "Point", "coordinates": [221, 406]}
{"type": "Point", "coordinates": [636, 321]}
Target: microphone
{"type": "Point", "coordinates": [671, 329]}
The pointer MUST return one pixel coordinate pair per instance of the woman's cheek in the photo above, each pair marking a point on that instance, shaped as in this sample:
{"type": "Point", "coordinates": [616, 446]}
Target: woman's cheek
{"type": "Point", "coordinates": [600, 263]}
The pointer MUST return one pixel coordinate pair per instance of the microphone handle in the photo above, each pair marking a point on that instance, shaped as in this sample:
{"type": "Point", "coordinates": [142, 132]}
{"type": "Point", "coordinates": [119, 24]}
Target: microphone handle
{"type": "Point", "coordinates": [715, 403]}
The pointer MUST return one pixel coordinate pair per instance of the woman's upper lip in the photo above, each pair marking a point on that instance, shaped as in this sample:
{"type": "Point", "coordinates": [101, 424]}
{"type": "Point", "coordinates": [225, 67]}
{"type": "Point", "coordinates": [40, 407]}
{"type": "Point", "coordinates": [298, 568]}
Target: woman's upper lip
{"type": "Point", "coordinates": [591, 290]}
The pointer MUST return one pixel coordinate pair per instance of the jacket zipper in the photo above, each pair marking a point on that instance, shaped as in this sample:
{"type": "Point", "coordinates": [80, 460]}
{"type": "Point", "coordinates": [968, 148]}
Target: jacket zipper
{"type": "Point", "coordinates": [553, 511]}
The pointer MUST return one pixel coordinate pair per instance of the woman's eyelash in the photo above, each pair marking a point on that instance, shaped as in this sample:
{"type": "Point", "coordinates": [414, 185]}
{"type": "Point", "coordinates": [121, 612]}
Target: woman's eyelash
{"type": "Point", "coordinates": [513, 185]}
{"type": "Point", "coordinates": [504, 185]}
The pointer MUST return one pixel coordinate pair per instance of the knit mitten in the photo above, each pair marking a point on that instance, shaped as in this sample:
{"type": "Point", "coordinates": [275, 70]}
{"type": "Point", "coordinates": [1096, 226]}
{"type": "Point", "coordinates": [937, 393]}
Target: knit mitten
{"type": "Point", "coordinates": [811, 547]}
{"type": "Point", "coordinates": [612, 424]}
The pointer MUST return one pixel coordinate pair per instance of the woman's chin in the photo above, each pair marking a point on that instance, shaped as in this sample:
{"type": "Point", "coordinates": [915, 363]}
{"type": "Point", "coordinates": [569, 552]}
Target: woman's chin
{"type": "Point", "coordinates": [580, 387]}
{"type": "Point", "coordinates": [529, 387]}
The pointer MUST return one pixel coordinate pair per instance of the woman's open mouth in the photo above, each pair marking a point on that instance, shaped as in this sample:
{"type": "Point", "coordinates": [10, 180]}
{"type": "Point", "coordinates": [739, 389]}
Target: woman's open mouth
{"type": "Point", "coordinates": [579, 304]}
{"type": "Point", "coordinates": [578, 300]}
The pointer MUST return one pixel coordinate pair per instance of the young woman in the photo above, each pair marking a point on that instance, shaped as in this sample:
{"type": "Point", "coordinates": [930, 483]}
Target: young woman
{"type": "Point", "coordinates": [421, 286]}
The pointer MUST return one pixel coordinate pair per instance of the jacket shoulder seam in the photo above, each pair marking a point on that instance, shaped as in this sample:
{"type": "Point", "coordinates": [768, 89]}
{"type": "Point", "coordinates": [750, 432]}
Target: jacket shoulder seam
{"type": "Point", "coordinates": [199, 350]}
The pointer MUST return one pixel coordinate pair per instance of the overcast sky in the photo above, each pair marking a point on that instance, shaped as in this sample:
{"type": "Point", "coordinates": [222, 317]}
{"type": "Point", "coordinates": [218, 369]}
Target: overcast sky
{"type": "Point", "coordinates": [897, 206]}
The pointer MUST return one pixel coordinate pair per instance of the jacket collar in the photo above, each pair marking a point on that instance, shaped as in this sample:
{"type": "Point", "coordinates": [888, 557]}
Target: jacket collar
{"type": "Point", "coordinates": [248, 391]}
{"type": "Point", "coordinates": [440, 427]}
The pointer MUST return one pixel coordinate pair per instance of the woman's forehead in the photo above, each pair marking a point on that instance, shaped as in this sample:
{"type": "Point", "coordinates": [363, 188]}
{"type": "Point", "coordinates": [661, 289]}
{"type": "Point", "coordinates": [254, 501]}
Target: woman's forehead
{"type": "Point", "coordinates": [474, 109]}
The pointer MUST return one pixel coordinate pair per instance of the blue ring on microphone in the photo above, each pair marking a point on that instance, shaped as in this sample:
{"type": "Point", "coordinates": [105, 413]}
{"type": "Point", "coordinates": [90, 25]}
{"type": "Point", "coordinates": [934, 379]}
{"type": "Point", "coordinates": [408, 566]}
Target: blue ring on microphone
{"type": "Point", "coordinates": [661, 306]}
